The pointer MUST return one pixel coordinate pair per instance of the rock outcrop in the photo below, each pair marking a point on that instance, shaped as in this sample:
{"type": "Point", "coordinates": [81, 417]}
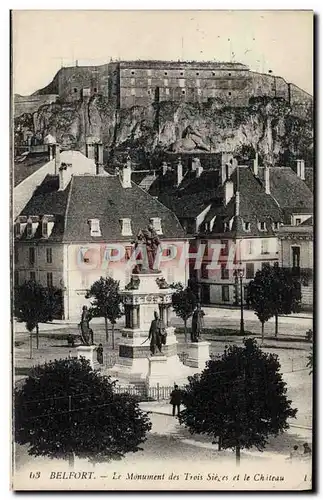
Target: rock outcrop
{"type": "Point", "coordinates": [267, 125]}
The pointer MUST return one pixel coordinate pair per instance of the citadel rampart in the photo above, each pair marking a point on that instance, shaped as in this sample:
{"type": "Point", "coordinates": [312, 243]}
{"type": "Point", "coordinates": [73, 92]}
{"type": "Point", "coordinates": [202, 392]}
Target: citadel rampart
{"type": "Point", "coordinates": [140, 83]}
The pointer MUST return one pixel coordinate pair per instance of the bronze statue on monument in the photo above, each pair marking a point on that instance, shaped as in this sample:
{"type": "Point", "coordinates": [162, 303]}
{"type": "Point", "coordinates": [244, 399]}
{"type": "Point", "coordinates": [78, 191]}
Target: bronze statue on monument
{"type": "Point", "coordinates": [84, 325]}
{"type": "Point", "coordinates": [147, 244]}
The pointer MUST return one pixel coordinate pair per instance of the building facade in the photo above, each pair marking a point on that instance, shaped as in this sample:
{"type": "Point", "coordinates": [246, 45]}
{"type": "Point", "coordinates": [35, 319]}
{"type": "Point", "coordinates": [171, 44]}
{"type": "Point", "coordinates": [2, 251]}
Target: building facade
{"type": "Point", "coordinates": [77, 227]}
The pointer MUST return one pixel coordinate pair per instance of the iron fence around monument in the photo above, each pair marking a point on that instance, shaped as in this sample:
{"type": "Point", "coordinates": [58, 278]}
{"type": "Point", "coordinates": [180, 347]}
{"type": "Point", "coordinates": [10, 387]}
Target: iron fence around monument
{"type": "Point", "coordinates": [157, 393]}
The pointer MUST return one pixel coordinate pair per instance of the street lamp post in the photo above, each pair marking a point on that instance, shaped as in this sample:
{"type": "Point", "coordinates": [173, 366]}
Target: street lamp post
{"type": "Point", "coordinates": [239, 274]}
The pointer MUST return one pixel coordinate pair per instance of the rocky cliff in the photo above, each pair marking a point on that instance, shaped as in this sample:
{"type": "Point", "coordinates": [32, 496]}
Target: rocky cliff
{"type": "Point", "coordinates": [267, 125]}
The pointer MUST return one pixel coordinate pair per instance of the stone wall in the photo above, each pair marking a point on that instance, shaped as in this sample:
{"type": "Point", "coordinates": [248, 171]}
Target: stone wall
{"type": "Point", "coordinates": [30, 104]}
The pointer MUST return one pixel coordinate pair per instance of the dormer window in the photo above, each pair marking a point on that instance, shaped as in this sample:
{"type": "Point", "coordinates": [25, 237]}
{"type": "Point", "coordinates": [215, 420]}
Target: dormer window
{"type": "Point", "coordinates": [247, 226]}
{"type": "Point", "coordinates": [95, 227]}
{"type": "Point", "coordinates": [17, 229]}
{"type": "Point", "coordinates": [226, 226]}
{"type": "Point", "coordinates": [156, 222]}
{"type": "Point", "coordinates": [275, 226]}
{"type": "Point", "coordinates": [262, 226]}
{"type": "Point", "coordinates": [29, 228]}
{"type": "Point", "coordinates": [126, 227]}
{"type": "Point", "coordinates": [45, 228]}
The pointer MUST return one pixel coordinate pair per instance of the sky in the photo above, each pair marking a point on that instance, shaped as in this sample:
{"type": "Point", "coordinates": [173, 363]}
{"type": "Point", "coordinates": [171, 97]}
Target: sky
{"type": "Point", "coordinates": [43, 41]}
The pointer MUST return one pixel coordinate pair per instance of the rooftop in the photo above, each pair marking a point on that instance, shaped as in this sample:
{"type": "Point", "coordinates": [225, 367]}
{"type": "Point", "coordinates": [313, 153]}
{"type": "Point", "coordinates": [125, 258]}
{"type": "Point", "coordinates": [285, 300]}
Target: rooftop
{"type": "Point", "coordinates": [26, 165]}
{"type": "Point", "coordinates": [99, 197]}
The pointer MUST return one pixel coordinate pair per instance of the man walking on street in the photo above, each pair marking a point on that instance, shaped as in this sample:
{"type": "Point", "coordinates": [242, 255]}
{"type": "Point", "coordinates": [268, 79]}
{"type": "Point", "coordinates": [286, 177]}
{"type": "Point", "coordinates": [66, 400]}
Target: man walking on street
{"type": "Point", "coordinates": [175, 399]}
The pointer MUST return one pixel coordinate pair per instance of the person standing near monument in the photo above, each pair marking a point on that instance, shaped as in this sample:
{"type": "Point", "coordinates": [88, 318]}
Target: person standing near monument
{"type": "Point", "coordinates": [157, 334]}
{"type": "Point", "coordinates": [99, 354]}
{"type": "Point", "coordinates": [197, 323]}
{"type": "Point", "coordinates": [176, 399]}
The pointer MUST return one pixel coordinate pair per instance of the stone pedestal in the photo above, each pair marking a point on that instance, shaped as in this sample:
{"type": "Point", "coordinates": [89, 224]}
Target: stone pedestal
{"type": "Point", "coordinates": [88, 352]}
{"type": "Point", "coordinates": [157, 372]}
{"type": "Point", "coordinates": [140, 302]}
{"type": "Point", "coordinates": [199, 354]}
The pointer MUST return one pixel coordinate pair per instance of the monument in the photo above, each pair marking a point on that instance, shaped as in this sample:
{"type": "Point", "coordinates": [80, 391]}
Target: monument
{"type": "Point", "coordinates": [148, 348]}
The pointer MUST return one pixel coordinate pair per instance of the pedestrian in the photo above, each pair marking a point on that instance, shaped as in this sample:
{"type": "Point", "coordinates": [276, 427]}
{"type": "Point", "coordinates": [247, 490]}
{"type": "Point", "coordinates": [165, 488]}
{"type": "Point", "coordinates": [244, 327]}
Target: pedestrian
{"type": "Point", "coordinates": [307, 449]}
{"type": "Point", "coordinates": [176, 399]}
{"type": "Point", "coordinates": [295, 453]}
{"type": "Point", "coordinates": [99, 354]}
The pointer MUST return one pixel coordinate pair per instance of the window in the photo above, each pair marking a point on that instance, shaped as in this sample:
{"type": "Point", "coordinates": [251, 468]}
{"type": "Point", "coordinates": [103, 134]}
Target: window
{"type": "Point", "coordinates": [165, 73]}
{"type": "Point", "coordinates": [17, 228]}
{"type": "Point", "coordinates": [32, 276]}
{"type": "Point", "coordinates": [29, 229]}
{"type": "Point", "coordinates": [229, 74]}
{"type": "Point", "coordinates": [49, 256]}
{"type": "Point", "coordinates": [165, 82]}
{"type": "Point", "coordinates": [199, 91]}
{"type": "Point", "coordinates": [126, 227]}
{"type": "Point", "coordinates": [75, 90]}
{"type": "Point", "coordinates": [250, 270]}
{"type": "Point", "coordinates": [128, 253]}
{"type": "Point", "coordinates": [16, 254]}
{"type": "Point", "coordinates": [95, 90]}
{"type": "Point", "coordinates": [264, 246]}
{"type": "Point", "coordinates": [197, 74]}
{"type": "Point", "coordinates": [45, 228]}
{"type": "Point", "coordinates": [132, 81]}
{"type": "Point", "coordinates": [31, 256]}
{"type": "Point", "coordinates": [133, 91]}
{"type": "Point", "coordinates": [149, 91]}
{"type": "Point", "coordinates": [275, 226]}
{"type": "Point", "coordinates": [225, 293]}
{"type": "Point", "coordinates": [197, 83]}
{"type": "Point", "coordinates": [225, 247]}
{"type": "Point", "coordinates": [262, 226]}
{"type": "Point", "coordinates": [149, 72]}
{"type": "Point", "coordinates": [298, 221]}
{"type": "Point", "coordinates": [226, 226]}
{"type": "Point", "coordinates": [167, 91]}
{"type": "Point", "coordinates": [204, 271]}
{"type": "Point", "coordinates": [149, 81]}
{"type": "Point", "coordinates": [49, 280]}
{"type": "Point", "coordinates": [229, 93]}
{"type": "Point", "coordinates": [247, 226]}
{"type": "Point", "coordinates": [182, 73]}
{"type": "Point", "coordinates": [183, 91]}
{"type": "Point", "coordinates": [95, 227]}
{"type": "Point", "coordinates": [224, 272]}
{"type": "Point", "coordinates": [156, 222]}
{"type": "Point", "coordinates": [250, 246]}
{"type": "Point", "coordinates": [16, 278]}
{"type": "Point", "coordinates": [132, 72]}
{"type": "Point", "coordinates": [213, 73]}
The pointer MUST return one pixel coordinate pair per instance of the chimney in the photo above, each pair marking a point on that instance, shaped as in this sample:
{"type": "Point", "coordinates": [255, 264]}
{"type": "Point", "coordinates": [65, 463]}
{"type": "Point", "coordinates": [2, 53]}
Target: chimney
{"type": "Point", "coordinates": [255, 165]}
{"type": "Point", "coordinates": [179, 172]}
{"type": "Point", "coordinates": [164, 167]}
{"type": "Point", "coordinates": [300, 166]}
{"type": "Point", "coordinates": [51, 151]}
{"type": "Point", "coordinates": [126, 175]}
{"type": "Point", "coordinates": [65, 175]}
{"type": "Point", "coordinates": [197, 167]}
{"type": "Point", "coordinates": [228, 191]}
{"type": "Point", "coordinates": [237, 203]}
{"type": "Point", "coordinates": [199, 170]}
{"type": "Point", "coordinates": [57, 155]}
{"type": "Point", "coordinates": [267, 180]}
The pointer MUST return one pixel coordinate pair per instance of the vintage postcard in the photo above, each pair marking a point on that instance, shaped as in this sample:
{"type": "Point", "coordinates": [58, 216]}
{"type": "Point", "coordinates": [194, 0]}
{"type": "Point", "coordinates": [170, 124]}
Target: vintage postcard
{"type": "Point", "coordinates": [162, 250]}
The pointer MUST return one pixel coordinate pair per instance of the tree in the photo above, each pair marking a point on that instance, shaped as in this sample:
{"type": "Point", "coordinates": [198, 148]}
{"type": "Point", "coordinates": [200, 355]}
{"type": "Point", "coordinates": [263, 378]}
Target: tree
{"type": "Point", "coordinates": [34, 304]}
{"type": "Point", "coordinates": [240, 398]}
{"type": "Point", "coordinates": [106, 303]}
{"type": "Point", "coordinates": [273, 291]}
{"type": "Point", "coordinates": [66, 409]}
{"type": "Point", "coordinates": [259, 290]}
{"type": "Point", "coordinates": [184, 302]}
